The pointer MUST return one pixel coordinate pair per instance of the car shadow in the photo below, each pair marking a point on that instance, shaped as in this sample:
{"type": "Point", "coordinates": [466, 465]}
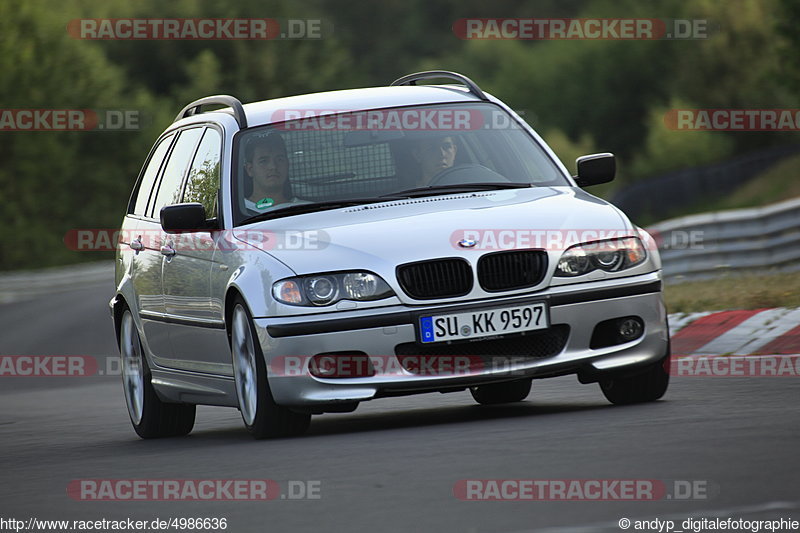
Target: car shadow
{"type": "Point", "coordinates": [398, 419]}
{"type": "Point", "coordinates": [437, 416]}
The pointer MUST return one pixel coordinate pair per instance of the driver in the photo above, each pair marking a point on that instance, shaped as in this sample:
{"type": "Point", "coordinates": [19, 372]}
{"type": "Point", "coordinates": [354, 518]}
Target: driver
{"type": "Point", "coordinates": [434, 156]}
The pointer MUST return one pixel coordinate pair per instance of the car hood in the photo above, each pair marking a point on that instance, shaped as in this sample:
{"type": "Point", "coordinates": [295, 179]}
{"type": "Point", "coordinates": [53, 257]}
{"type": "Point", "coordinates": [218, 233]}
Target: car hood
{"type": "Point", "coordinates": [378, 237]}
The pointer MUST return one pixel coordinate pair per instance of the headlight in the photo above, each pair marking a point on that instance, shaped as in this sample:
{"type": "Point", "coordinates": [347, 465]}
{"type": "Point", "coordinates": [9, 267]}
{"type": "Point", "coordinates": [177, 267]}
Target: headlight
{"type": "Point", "coordinates": [361, 285]}
{"type": "Point", "coordinates": [326, 289]}
{"type": "Point", "coordinates": [321, 290]}
{"type": "Point", "coordinates": [611, 256]}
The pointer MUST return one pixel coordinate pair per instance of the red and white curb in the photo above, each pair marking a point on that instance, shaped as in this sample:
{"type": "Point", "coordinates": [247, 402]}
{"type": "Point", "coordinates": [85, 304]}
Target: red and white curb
{"type": "Point", "coordinates": [741, 332]}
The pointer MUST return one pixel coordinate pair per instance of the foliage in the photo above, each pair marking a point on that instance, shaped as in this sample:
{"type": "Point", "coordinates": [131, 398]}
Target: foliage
{"type": "Point", "coordinates": [667, 149]}
{"type": "Point", "coordinates": [584, 96]}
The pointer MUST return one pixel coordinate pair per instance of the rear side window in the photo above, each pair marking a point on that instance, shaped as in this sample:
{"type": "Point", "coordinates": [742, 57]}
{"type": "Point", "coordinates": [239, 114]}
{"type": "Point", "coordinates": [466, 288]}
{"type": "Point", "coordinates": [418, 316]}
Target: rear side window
{"type": "Point", "coordinates": [169, 191]}
{"type": "Point", "coordinates": [203, 181]}
{"type": "Point", "coordinates": [150, 174]}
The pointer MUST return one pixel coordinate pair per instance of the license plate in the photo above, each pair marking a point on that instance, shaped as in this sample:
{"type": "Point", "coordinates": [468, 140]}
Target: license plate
{"type": "Point", "coordinates": [483, 323]}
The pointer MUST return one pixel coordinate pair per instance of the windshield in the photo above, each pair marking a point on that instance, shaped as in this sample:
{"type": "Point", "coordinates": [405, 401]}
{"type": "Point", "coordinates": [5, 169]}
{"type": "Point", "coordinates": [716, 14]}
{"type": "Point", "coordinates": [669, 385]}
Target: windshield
{"type": "Point", "coordinates": [334, 158]}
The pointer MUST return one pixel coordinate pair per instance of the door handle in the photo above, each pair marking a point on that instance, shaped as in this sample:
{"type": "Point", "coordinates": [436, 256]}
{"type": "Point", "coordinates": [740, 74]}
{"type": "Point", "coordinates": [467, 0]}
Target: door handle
{"type": "Point", "coordinates": [136, 244]}
{"type": "Point", "coordinates": [168, 250]}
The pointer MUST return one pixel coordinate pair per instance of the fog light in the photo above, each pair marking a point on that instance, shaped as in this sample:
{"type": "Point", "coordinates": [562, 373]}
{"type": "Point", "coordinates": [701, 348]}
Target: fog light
{"type": "Point", "coordinates": [341, 365]}
{"type": "Point", "coordinates": [630, 328]}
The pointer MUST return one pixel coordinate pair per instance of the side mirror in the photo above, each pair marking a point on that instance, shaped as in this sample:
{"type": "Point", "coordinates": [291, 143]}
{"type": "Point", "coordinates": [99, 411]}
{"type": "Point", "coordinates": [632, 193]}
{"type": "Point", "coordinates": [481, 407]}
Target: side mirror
{"type": "Point", "coordinates": [183, 217]}
{"type": "Point", "coordinates": [595, 169]}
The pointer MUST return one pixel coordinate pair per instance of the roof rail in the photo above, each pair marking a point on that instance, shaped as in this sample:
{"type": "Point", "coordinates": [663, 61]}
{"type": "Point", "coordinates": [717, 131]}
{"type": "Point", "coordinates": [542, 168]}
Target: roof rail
{"type": "Point", "coordinates": [412, 79]}
{"type": "Point", "coordinates": [220, 99]}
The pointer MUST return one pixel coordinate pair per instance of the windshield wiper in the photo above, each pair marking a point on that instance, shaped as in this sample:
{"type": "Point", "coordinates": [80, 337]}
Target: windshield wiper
{"type": "Point", "coordinates": [456, 188]}
{"type": "Point", "coordinates": [299, 209]}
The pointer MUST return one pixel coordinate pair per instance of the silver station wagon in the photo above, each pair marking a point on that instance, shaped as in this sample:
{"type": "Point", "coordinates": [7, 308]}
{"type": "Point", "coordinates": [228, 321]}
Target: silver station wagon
{"type": "Point", "coordinates": [301, 255]}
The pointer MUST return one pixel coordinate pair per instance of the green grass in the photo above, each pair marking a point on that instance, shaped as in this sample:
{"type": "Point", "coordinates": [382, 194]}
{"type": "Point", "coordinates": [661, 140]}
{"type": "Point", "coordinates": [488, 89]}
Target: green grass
{"type": "Point", "coordinates": [734, 291]}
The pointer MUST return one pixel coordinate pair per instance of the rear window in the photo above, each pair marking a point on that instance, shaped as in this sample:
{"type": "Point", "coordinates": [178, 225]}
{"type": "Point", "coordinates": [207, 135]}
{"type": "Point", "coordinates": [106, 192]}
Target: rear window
{"type": "Point", "coordinates": [169, 190]}
{"type": "Point", "coordinates": [150, 174]}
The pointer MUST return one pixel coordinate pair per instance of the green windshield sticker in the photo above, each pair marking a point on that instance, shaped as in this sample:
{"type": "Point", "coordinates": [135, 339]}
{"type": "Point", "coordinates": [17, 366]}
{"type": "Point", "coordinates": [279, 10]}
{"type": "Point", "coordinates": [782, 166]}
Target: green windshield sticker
{"type": "Point", "coordinates": [265, 203]}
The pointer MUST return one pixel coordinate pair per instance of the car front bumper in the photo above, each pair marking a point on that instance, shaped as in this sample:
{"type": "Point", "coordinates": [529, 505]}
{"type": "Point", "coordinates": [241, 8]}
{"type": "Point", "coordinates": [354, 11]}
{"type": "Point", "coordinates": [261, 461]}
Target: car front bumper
{"type": "Point", "coordinates": [381, 333]}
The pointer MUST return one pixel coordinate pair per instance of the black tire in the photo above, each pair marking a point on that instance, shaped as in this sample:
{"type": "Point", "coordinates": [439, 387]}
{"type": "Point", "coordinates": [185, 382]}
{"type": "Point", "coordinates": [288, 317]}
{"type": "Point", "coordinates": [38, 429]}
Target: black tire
{"type": "Point", "coordinates": [646, 386]}
{"type": "Point", "coordinates": [496, 393]}
{"type": "Point", "coordinates": [157, 419]}
{"type": "Point", "coordinates": [263, 418]}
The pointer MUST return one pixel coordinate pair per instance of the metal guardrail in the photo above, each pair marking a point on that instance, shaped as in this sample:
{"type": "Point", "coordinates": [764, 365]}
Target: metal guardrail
{"type": "Point", "coordinates": [705, 245]}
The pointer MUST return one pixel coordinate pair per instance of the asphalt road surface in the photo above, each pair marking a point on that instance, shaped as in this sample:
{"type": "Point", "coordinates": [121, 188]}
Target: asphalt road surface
{"type": "Point", "coordinates": [727, 445]}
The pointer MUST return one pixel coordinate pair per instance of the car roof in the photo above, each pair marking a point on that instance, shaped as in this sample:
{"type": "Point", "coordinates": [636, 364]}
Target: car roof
{"type": "Point", "coordinates": [269, 111]}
